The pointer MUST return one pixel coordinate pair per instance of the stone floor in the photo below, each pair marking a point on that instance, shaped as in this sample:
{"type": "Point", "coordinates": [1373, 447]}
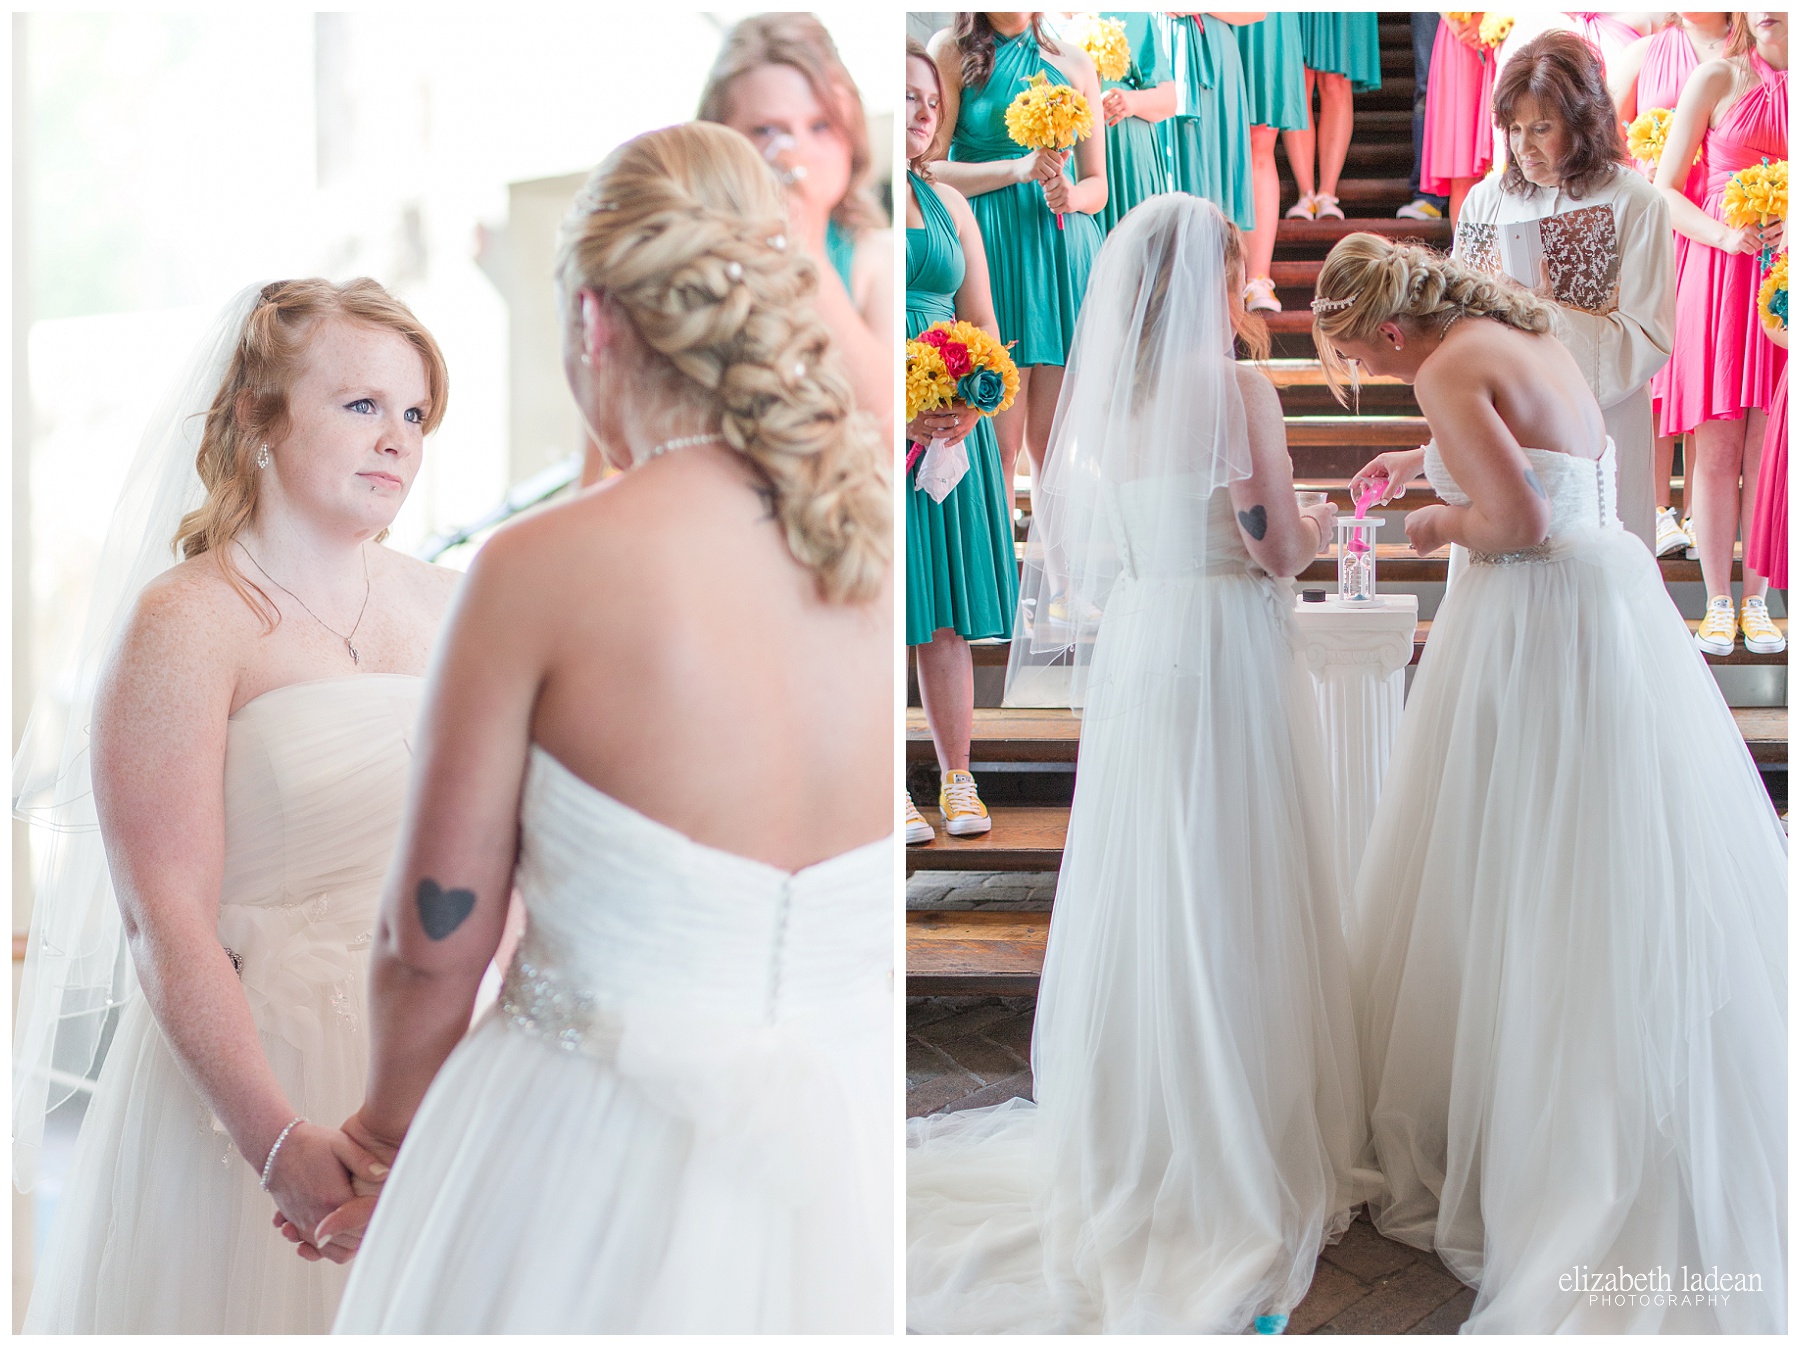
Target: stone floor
{"type": "Point", "coordinates": [965, 1052]}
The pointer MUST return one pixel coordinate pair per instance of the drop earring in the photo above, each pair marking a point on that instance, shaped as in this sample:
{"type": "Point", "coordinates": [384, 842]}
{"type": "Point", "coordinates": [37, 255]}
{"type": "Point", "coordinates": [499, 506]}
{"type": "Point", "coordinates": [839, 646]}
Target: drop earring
{"type": "Point", "coordinates": [262, 457]}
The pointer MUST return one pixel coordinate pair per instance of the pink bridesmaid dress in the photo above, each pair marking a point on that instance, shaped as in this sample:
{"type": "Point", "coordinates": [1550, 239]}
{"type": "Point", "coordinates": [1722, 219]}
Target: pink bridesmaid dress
{"type": "Point", "coordinates": [1722, 363]}
{"type": "Point", "coordinates": [1766, 552]}
{"type": "Point", "coordinates": [1668, 61]}
{"type": "Point", "coordinates": [1459, 128]}
{"type": "Point", "coordinates": [1607, 34]}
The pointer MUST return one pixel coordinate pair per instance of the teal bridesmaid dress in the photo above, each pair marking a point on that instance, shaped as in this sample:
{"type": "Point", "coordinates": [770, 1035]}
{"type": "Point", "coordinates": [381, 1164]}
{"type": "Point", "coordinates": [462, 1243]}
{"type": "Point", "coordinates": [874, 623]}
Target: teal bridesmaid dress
{"type": "Point", "coordinates": [1209, 136]}
{"type": "Point", "coordinates": [1136, 166]}
{"type": "Point", "coordinates": [1343, 42]}
{"type": "Point", "coordinates": [1274, 71]}
{"type": "Point", "coordinates": [960, 568]}
{"type": "Point", "coordinates": [1037, 272]}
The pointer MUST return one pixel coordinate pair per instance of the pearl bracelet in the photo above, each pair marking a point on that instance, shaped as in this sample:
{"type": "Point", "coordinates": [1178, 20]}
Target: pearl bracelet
{"type": "Point", "coordinates": [269, 1164]}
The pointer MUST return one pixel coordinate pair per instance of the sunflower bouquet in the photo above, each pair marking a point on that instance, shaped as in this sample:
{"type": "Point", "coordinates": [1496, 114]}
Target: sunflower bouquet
{"type": "Point", "coordinates": [1772, 300]}
{"type": "Point", "coordinates": [1757, 195]}
{"type": "Point", "coordinates": [950, 364]}
{"type": "Point", "coordinates": [1104, 40]}
{"type": "Point", "coordinates": [1046, 116]}
{"type": "Point", "coordinates": [1495, 28]}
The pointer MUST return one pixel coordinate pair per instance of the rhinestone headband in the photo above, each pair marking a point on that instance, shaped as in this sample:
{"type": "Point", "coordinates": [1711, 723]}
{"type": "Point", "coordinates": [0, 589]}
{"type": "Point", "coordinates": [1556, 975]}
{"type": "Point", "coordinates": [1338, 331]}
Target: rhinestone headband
{"type": "Point", "coordinates": [1332, 305]}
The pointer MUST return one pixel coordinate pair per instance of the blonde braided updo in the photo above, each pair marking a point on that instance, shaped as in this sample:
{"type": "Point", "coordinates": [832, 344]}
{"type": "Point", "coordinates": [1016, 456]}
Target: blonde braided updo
{"type": "Point", "coordinates": [684, 231]}
{"type": "Point", "coordinates": [1368, 280]}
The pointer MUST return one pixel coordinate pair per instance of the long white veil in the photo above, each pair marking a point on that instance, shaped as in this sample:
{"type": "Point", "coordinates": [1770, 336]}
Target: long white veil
{"type": "Point", "coordinates": [76, 966]}
{"type": "Point", "coordinates": [1149, 424]}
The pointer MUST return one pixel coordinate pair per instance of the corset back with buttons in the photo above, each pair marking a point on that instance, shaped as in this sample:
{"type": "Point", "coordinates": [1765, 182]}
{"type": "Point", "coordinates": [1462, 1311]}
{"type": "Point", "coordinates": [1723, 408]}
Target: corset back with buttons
{"type": "Point", "coordinates": [315, 782]}
{"type": "Point", "coordinates": [1164, 527]}
{"type": "Point", "coordinates": [1583, 494]}
{"type": "Point", "coordinates": [628, 917]}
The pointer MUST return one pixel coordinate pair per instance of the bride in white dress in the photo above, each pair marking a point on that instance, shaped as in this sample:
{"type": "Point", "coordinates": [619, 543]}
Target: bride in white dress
{"type": "Point", "coordinates": [664, 710]}
{"type": "Point", "coordinates": [1572, 995]}
{"type": "Point", "coordinates": [251, 737]}
{"type": "Point", "coordinates": [1198, 1108]}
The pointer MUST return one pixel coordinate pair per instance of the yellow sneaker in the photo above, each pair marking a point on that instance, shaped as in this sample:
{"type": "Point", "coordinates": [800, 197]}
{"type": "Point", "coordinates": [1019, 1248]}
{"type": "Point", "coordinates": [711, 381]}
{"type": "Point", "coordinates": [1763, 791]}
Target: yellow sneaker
{"type": "Point", "coordinates": [1718, 629]}
{"type": "Point", "coordinates": [918, 829]}
{"type": "Point", "coordinates": [1760, 634]}
{"type": "Point", "coordinates": [964, 813]}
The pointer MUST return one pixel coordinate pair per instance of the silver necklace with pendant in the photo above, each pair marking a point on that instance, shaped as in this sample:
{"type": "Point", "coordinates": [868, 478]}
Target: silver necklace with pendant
{"type": "Point", "coordinates": [349, 641]}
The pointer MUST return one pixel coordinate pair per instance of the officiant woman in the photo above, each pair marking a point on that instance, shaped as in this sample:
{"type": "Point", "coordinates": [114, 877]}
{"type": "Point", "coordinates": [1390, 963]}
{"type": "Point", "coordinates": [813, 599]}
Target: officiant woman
{"type": "Point", "coordinates": [1568, 169]}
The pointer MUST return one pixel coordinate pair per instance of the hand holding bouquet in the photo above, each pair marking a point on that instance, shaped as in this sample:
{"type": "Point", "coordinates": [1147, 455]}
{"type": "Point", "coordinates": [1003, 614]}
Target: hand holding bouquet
{"type": "Point", "coordinates": [1048, 116]}
{"type": "Point", "coordinates": [1757, 197]}
{"type": "Point", "coordinates": [950, 366]}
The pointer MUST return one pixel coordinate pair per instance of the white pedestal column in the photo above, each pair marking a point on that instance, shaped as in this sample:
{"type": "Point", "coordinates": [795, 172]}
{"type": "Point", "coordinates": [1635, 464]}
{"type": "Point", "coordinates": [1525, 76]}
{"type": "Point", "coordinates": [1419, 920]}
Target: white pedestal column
{"type": "Point", "coordinates": [1357, 655]}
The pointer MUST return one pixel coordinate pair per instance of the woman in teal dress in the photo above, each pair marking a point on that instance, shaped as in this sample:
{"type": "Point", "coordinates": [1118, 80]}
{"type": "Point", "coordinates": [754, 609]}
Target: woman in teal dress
{"type": "Point", "coordinates": [778, 80]}
{"type": "Point", "coordinates": [1342, 51]}
{"type": "Point", "coordinates": [1037, 269]}
{"type": "Point", "coordinates": [1209, 135]}
{"type": "Point", "coordinates": [1136, 164]}
{"type": "Point", "coordinates": [961, 575]}
{"type": "Point", "coordinates": [1275, 86]}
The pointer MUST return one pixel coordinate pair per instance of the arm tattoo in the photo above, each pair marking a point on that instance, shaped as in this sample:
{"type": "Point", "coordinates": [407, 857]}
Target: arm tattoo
{"type": "Point", "coordinates": [442, 910]}
{"type": "Point", "coordinates": [1254, 521]}
{"type": "Point", "coordinates": [1531, 480]}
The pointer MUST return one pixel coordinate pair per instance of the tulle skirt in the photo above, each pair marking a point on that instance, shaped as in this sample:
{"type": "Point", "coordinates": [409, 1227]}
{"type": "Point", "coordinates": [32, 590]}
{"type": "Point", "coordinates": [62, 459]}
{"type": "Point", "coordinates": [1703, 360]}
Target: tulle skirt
{"type": "Point", "coordinates": [719, 1180]}
{"type": "Point", "coordinates": [1198, 1107]}
{"type": "Point", "coordinates": [1572, 994]}
{"type": "Point", "coordinates": [162, 1226]}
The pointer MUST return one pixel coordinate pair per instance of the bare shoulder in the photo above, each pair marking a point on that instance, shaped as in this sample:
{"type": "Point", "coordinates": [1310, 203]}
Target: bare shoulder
{"type": "Point", "coordinates": [945, 51]}
{"type": "Point", "coordinates": [1073, 61]}
{"type": "Point", "coordinates": [956, 203]}
{"type": "Point", "coordinates": [188, 625]}
{"type": "Point", "coordinates": [1711, 82]}
{"type": "Point", "coordinates": [1258, 393]}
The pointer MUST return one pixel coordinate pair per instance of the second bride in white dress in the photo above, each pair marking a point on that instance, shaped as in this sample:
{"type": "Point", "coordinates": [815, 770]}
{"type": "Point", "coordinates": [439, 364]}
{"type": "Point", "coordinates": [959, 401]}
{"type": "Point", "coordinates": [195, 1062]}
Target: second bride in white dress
{"type": "Point", "coordinates": [671, 699]}
{"type": "Point", "coordinates": [1198, 1110]}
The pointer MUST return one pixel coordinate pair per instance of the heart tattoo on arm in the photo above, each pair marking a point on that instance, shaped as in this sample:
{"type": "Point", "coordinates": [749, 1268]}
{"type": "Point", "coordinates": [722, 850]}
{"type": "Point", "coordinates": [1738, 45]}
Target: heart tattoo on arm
{"type": "Point", "coordinates": [442, 910]}
{"type": "Point", "coordinates": [1255, 521]}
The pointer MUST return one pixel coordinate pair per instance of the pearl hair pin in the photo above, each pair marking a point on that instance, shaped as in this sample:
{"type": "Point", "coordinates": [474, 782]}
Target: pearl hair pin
{"type": "Point", "coordinates": [681, 442]}
{"type": "Point", "coordinates": [735, 270]}
{"type": "Point", "coordinates": [1332, 305]}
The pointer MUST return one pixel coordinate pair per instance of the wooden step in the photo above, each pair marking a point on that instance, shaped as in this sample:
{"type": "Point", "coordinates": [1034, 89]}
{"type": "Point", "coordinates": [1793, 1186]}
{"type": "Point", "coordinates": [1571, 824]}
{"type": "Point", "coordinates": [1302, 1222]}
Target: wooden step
{"type": "Point", "coordinates": [1310, 373]}
{"type": "Point", "coordinates": [1364, 432]}
{"type": "Point", "coordinates": [1023, 837]}
{"type": "Point", "coordinates": [974, 953]}
{"type": "Point", "coordinates": [1324, 233]}
{"type": "Point", "coordinates": [1017, 734]}
{"type": "Point", "coordinates": [1360, 191]}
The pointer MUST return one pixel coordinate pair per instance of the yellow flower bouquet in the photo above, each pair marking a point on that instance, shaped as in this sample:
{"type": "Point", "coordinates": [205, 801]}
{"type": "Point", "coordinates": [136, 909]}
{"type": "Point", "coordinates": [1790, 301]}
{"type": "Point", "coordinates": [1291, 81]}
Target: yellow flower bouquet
{"type": "Point", "coordinates": [1104, 40]}
{"type": "Point", "coordinates": [954, 362]}
{"type": "Point", "coordinates": [1046, 116]}
{"type": "Point", "coordinates": [1757, 195]}
{"type": "Point", "coordinates": [1495, 28]}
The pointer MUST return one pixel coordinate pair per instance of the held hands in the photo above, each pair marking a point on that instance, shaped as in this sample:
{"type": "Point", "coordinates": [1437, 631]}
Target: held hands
{"type": "Point", "coordinates": [1391, 471]}
{"type": "Point", "coordinates": [1467, 31]}
{"type": "Point", "coordinates": [1115, 106]}
{"type": "Point", "coordinates": [317, 1173]}
{"type": "Point", "coordinates": [948, 425]}
{"type": "Point", "coordinates": [1040, 165]}
{"type": "Point", "coordinates": [1755, 238]}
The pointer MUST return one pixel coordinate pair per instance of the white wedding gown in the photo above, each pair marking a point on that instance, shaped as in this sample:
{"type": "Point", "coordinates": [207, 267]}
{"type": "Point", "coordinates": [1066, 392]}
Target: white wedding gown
{"type": "Point", "coordinates": [1198, 1105]}
{"type": "Point", "coordinates": [161, 1226]}
{"type": "Point", "coordinates": [681, 1115]}
{"type": "Point", "coordinates": [1573, 999]}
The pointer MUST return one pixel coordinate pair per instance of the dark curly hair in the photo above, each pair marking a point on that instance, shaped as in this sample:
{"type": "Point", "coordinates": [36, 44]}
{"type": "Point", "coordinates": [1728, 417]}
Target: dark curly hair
{"type": "Point", "coordinates": [1563, 73]}
{"type": "Point", "coordinates": [975, 40]}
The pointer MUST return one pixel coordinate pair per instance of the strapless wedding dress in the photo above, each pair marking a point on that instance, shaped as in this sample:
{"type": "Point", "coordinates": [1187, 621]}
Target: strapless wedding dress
{"type": "Point", "coordinates": [161, 1226]}
{"type": "Point", "coordinates": [1573, 1000]}
{"type": "Point", "coordinates": [1198, 1109]}
{"type": "Point", "coordinates": [681, 1115]}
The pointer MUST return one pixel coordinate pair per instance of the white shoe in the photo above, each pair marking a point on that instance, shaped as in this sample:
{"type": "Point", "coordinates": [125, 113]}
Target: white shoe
{"type": "Point", "coordinates": [1670, 536]}
{"type": "Point", "coordinates": [1326, 208]}
{"type": "Point", "coordinates": [1692, 551]}
{"type": "Point", "coordinates": [1760, 632]}
{"type": "Point", "coordinates": [1259, 295]}
{"type": "Point", "coordinates": [917, 828]}
{"type": "Point", "coordinates": [1304, 209]}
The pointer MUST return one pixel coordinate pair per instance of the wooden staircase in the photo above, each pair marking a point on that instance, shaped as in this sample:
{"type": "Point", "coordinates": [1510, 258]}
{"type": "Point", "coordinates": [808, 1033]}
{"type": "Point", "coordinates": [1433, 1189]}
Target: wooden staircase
{"type": "Point", "coordinates": [1028, 757]}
